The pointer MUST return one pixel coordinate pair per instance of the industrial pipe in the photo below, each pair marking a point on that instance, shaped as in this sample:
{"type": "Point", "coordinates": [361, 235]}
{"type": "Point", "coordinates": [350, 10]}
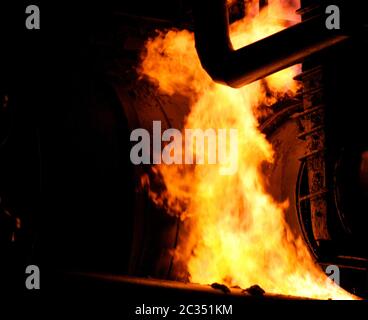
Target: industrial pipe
{"type": "Point", "coordinates": [237, 68]}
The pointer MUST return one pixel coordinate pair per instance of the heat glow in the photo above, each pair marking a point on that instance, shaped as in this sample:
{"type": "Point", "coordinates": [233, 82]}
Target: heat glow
{"type": "Point", "coordinates": [234, 231]}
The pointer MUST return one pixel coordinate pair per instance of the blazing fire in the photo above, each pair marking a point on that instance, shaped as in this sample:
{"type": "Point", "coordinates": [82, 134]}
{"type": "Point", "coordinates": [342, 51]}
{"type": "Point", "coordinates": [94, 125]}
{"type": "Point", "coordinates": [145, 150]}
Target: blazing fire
{"type": "Point", "coordinates": [234, 232]}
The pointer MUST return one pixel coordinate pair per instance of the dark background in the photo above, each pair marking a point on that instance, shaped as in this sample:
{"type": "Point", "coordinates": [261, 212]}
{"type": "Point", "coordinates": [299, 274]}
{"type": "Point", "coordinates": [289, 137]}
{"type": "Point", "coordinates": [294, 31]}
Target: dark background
{"type": "Point", "coordinates": [65, 169]}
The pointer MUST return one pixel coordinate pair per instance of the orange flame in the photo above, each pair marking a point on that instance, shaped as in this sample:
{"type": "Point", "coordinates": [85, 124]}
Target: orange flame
{"type": "Point", "coordinates": [235, 233]}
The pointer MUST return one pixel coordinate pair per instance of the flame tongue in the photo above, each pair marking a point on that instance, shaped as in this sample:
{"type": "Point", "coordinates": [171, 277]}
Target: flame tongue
{"type": "Point", "coordinates": [236, 232]}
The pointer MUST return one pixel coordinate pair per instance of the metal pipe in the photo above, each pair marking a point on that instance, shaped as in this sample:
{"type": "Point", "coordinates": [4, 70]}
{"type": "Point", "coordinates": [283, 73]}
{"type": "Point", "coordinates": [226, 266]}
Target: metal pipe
{"type": "Point", "coordinates": [166, 288]}
{"type": "Point", "coordinates": [237, 68]}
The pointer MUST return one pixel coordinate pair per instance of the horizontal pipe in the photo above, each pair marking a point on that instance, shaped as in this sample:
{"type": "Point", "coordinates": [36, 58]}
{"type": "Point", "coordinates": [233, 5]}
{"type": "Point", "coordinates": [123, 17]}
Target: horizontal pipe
{"type": "Point", "coordinates": [166, 288]}
{"type": "Point", "coordinates": [237, 68]}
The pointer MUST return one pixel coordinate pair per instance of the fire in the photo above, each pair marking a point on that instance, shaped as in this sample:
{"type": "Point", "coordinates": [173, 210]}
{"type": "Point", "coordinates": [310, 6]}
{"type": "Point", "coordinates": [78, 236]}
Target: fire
{"type": "Point", "coordinates": [234, 232]}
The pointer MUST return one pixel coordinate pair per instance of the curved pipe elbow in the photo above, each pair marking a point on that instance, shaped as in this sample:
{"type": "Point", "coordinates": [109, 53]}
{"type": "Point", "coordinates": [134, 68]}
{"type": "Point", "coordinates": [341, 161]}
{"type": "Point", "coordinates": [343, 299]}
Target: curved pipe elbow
{"type": "Point", "coordinates": [237, 68]}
